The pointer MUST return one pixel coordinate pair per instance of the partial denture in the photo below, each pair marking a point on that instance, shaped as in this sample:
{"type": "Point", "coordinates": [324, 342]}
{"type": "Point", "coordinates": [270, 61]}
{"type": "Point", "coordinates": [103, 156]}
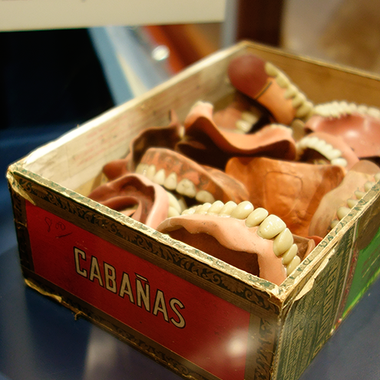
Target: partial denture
{"type": "Point", "coordinates": [332, 148]}
{"type": "Point", "coordinates": [165, 137]}
{"type": "Point", "coordinates": [184, 176]}
{"type": "Point", "coordinates": [291, 190]}
{"type": "Point", "coordinates": [336, 204]}
{"type": "Point", "coordinates": [357, 125]}
{"type": "Point", "coordinates": [269, 86]}
{"type": "Point", "coordinates": [275, 140]}
{"type": "Point", "coordinates": [239, 234]}
{"type": "Point", "coordinates": [135, 196]}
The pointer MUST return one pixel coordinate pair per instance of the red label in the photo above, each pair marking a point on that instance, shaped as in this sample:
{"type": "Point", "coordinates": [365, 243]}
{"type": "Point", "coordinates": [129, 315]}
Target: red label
{"type": "Point", "coordinates": [195, 324]}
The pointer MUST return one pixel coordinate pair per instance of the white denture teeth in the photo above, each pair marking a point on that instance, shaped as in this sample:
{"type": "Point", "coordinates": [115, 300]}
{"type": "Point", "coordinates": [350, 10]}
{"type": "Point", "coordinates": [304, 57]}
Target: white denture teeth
{"type": "Point", "coordinates": [304, 107]}
{"type": "Point", "coordinates": [184, 187]}
{"type": "Point", "coordinates": [351, 203]}
{"type": "Point", "coordinates": [269, 227]}
{"type": "Point", "coordinates": [322, 147]}
{"type": "Point", "coordinates": [339, 109]}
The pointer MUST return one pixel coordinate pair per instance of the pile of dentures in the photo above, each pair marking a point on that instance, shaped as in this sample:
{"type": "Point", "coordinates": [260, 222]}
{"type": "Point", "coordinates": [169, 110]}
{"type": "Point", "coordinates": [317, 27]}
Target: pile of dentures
{"type": "Point", "coordinates": [257, 183]}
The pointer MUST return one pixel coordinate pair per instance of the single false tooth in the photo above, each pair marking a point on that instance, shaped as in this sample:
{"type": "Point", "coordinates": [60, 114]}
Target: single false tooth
{"type": "Point", "coordinates": [171, 181]}
{"type": "Point", "coordinates": [271, 226]}
{"type": "Point", "coordinates": [159, 177]}
{"type": "Point", "coordinates": [204, 196]}
{"type": "Point", "coordinates": [172, 212]}
{"type": "Point", "coordinates": [249, 116]}
{"type": "Point", "coordinates": [271, 69]}
{"type": "Point", "coordinates": [182, 203]}
{"type": "Point", "coordinates": [151, 171]}
{"type": "Point", "coordinates": [242, 210]}
{"type": "Point", "coordinates": [215, 208]}
{"type": "Point", "coordinates": [342, 212]}
{"type": "Point", "coordinates": [291, 91]}
{"type": "Point", "coordinates": [256, 217]}
{"type": "Point", "coordinates": [305, 110]}
{"type": "Point", "coordinates": [368, 186]}
{"type": "Point", "coordinates": [320, 145]}
{"type": "Point", "coordinates": [334, 223]}
{"type": "Point", "coordinates": [289, 255]}
{"type": "Point", "coordinates": [141, 168]}
{"type": "Point", "coordinates": [202, 209]}
{"type": "Point", "coordinates": [173, 202]}
{"type": "Point", "coordinates": [339, 162]}
{"type": "Point", "coordinates": [189, 211]}
{"type": "Point", "coordinates": [374, 112]}
{"type": "Point", "coordinates": [282, 80]}
{"type": "Point", "coordinates": [359, 194]}
{"type": "Point", "coordinates": [377, 176]}
{"type": "Point", "coordinates": [282, 242]}
{"type": "Point", "coordinates": [362, 108]}
{"type": "Point", "coordinates": [187, 188]}
{"type": "Point", "coordinates": [333, 154]}
{"type": "Point", "coordinates": [227, 208]}
{"type": "Point", "coordinates": [298, 100]}
{"type": "Point", "coordinates": [243, 125]}
{"type": "Point", "coordinates": [293, 265]}
{"type": "Point", "coordinates": [352, 202]}
{"type": "Point", "coordinates": [312, 142]}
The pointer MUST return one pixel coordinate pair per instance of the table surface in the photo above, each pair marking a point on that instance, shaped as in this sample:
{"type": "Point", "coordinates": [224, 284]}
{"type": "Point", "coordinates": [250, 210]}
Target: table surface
{"type": "Point", "coordinates": [40, 339]}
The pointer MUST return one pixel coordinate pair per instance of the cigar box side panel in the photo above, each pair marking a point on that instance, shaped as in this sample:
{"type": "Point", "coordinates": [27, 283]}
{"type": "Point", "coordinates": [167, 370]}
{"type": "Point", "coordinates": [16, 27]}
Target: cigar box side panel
{"type": "Point", "coordinates": [310, 317]}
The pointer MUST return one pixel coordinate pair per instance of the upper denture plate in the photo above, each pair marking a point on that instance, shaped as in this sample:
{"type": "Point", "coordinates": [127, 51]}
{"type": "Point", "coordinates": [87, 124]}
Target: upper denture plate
{"type": "Point", "coordinates": [171, 181]}
{"type": "Point", "coordinates": [159, 177]}
{"type": "Point", "coordinates": [282, 242]}
{"type": "Point", "coordinates": [204, 196]}
{"type": "Point", "coordinates": [293, 265]}
{"type": "Point", "coordinates": [271, 226]}
{"type": "Point", "coordinates": [256, 217]}
{"type": "Point", "coordinates": [186, 187]}
{"type": "Point", "coordinates": [215, 208]}
{"type": "Point", "coordinates": [290, 254]}
{"type": "Point", "coordinates": [242, 210]}
{"type": "Point", "coordinates": [228, 208]}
